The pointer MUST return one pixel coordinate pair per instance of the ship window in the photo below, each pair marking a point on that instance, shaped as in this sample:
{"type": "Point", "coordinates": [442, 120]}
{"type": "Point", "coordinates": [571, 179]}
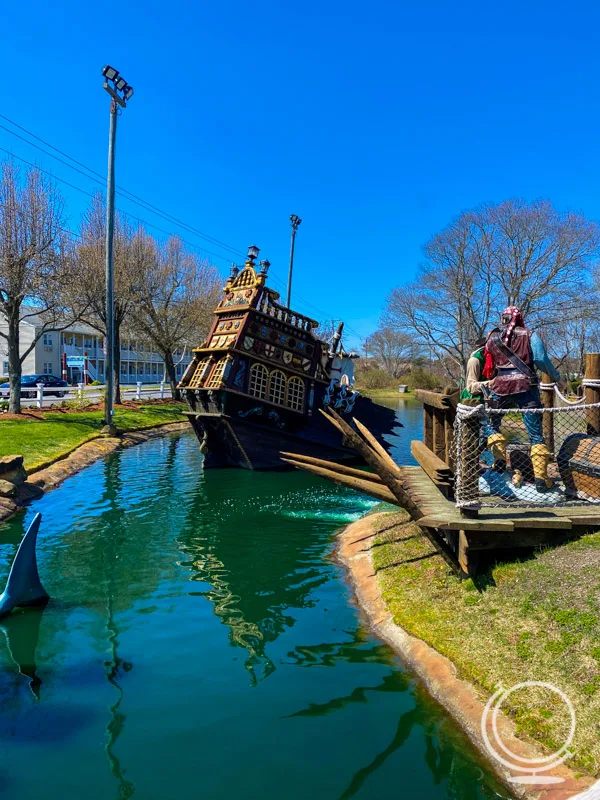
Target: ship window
{"type": "Point", "coordinates": [258, 381]}
{"type": "Point", "coordinates": [295, 394]}
{"type": "Point", "coordinates": [216, 377]}
{"type": "Point", "coordinates": [199, 375]}
{"type": "Point", "coordinates": [277, 387]}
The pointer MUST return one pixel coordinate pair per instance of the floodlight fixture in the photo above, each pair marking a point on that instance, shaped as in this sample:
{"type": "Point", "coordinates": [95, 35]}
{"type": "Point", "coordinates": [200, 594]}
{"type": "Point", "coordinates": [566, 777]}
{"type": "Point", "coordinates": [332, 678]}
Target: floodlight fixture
{"type": "Point", "coordinates": [110, 73]}
{"type": "Point", "coordinates": [253, 252]}
{"type": "Point", "coordinates": [128, 92]}
{"type": "Point", "coordinates": [120, 83]}
{"type": "Point", "coordinates": [295, 221]}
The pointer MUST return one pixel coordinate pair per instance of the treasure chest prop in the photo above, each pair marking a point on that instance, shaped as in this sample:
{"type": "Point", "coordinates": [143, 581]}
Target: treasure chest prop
{"type": "Point", "coordinates": [579, 466]}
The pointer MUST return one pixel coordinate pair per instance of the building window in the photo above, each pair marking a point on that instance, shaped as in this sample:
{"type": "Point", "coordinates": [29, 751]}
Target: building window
{"type": "Point", "coordinates": [140, 368]}
{"type": "Point", "coordinates": [295, 394]}
{"type": "Point", "coordinates": [155, 369]}
{"type": "Point", "coordinates": [88, 343]}
{"type": "Point", "coordinates": [216, 377]}
{"type": "Point", "coordinates": [277, 387]}
{"type": "Point", "coordinates": [5, 367]}
{"type": "Point", "coordinates": [148, 368]}
{"type": "Point", "coordinates": [257, 385]}
{"type": "Point", "coordinates": [48, 339]}
{"type": "Point", "coordinates": [123, 368]}
{"type": "Point", "coordinates": [47, 368]}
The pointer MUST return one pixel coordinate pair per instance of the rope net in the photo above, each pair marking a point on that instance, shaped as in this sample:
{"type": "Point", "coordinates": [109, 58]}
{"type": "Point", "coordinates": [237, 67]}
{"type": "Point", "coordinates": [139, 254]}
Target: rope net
{"type": "Point", "coordinates": [527, 457]}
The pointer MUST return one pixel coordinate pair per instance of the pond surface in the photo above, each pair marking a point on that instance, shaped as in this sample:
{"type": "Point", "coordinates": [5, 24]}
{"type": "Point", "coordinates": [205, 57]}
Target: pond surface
{"type": "Point", "coordinates": [201, 643]}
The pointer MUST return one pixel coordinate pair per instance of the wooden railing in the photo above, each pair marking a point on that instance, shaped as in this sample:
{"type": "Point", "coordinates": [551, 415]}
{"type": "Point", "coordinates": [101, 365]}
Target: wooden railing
{"type": "Point", "coordinates": [435, 454]}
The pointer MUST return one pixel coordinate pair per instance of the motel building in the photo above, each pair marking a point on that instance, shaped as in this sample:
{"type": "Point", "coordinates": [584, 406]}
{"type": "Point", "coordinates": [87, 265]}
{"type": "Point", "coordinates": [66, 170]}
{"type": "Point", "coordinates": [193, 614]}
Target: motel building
{"type": "Point", "coordinates": [80, 352]}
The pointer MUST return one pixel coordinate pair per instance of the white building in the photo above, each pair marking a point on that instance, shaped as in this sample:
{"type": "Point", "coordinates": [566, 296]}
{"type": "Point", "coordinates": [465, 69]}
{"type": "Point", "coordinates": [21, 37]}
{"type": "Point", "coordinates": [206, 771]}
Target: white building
{"type": "Point", "coordinates": [138, 360]}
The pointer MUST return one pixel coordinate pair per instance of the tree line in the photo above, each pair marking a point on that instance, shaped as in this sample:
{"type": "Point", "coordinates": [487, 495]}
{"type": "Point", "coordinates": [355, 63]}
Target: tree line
{"type": "Point", "coordinates": [161, 289]}
{"type": "Point", "coordinates": [514, 253]}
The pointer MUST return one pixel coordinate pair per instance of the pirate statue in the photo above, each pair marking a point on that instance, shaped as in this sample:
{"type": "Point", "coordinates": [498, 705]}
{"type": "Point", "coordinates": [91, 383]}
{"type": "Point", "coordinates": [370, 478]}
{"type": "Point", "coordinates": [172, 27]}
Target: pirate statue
{"type": "Point", "coordinates": [516, 353]}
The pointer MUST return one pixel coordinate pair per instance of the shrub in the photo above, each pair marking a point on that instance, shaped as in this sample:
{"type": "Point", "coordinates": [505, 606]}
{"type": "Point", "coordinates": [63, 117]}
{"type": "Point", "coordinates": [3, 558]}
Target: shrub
{"type": "Point", "coordinates": [95, 383]}
{"type": "Point", "coordinates": [419, 379]}
{"type": "Point", "coordinates": [375, 378]}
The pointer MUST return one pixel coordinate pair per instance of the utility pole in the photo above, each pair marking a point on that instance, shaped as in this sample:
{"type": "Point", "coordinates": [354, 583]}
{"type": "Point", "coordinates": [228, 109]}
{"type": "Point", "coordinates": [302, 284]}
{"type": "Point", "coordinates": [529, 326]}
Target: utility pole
{"type": "Point", "coordinates": [120, 93]}
{"type": "Point", "coordinates": [295, 223]}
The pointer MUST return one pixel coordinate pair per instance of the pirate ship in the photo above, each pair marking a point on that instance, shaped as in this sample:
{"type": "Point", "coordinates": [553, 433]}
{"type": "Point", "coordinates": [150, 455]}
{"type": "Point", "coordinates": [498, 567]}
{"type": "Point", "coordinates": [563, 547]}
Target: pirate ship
{"type": "Point", "coordinates": [255, 387]}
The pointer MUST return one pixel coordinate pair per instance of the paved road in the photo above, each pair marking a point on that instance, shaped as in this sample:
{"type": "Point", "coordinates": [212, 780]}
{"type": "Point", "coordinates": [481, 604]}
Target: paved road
{"type": "Point", "coordinates": [93, 396]}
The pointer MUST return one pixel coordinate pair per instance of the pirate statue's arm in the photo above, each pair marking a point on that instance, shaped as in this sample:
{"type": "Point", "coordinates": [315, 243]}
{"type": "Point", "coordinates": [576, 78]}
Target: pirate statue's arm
{"type": "Point", "coordinates": [541, 359]}
{"type": "Point", "coordinates": [473, 378]}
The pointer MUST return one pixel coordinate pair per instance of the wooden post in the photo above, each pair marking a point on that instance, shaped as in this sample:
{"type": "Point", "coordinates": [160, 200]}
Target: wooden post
{"type": "Point", "coordinates": [592, 393]}
{"type": "Point", "coordinates": [547, 396]}
{"type": "Point", "coordinates": [428, 426]}
{"type": "Point", "coordinates": [439, 433]}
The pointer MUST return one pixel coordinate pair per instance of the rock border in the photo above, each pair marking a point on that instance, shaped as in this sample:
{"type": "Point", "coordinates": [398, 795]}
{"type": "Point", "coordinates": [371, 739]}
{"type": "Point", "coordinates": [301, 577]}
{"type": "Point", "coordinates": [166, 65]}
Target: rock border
{"type": "Point", "coordinates": [52, 473]}
{"type": "Point", "coordinates": [437, 673]}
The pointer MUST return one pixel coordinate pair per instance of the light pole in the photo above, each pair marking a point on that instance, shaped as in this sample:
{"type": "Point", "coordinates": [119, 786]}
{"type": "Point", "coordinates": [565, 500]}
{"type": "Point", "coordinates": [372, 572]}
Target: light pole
{"type": "Point", "coordinates": [120, 93]}
{"type": "Point", "coordinates": [295, 223]}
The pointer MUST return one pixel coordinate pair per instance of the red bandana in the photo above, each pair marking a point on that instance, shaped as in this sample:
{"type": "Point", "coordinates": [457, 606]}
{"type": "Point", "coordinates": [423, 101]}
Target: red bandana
{"type": "Point", "coordinates": [516, 319]}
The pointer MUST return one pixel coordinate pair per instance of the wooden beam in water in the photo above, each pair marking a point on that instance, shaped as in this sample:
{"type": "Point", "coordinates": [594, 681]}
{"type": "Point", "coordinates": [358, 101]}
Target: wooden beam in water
{"type": "Point", "coordinates": [378, 448]}
{"type": "Point", "coordinates": [377, 491]}
{"type": "Point", "coordinates": [394, 483]}
{"type": "Point", "coordinates": [334, 467]}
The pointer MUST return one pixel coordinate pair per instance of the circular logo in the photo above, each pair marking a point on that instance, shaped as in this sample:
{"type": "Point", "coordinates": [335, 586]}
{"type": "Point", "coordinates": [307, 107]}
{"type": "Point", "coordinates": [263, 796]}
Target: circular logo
{"type": "Point", "coordinates": [533, 766]}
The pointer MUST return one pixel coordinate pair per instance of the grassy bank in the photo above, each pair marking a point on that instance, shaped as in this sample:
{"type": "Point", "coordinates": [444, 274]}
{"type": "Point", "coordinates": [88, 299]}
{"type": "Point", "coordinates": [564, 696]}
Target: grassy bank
{"type": "Point", "coordinates": [384, 394]}
{"type": "Point", "coordinates": [537, 619]}
{"type": "Point", "coordinates": [54, 433]}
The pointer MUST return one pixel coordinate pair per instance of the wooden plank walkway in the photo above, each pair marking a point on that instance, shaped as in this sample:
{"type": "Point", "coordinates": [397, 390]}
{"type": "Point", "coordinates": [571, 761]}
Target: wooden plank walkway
{"type": "Point", "coordinates": [442, 513]}
{"type": "Point", "coordinates": [462, 538]}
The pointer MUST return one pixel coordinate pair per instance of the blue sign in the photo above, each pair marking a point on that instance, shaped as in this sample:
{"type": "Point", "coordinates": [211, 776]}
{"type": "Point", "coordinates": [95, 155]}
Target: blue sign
{"type": "Point", "coordinates": [76, 361]}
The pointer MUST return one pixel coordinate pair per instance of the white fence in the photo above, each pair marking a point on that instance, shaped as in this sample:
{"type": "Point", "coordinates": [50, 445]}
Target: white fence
{"type": "Point", "coordinates": [81, 392]}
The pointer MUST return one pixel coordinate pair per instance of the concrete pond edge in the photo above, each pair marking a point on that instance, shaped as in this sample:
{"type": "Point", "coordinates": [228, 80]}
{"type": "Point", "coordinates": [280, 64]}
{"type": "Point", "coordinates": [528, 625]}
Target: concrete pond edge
{"type": "Point", "coordinates": [52, 473]}
{"type": "Point", "coordinates": [438, 674]}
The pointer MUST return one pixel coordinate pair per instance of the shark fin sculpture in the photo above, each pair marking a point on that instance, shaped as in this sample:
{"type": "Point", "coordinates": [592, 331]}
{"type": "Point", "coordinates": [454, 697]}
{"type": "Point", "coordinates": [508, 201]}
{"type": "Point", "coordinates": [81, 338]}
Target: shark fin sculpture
{"type": "Point", "coordinates": [23, 587]}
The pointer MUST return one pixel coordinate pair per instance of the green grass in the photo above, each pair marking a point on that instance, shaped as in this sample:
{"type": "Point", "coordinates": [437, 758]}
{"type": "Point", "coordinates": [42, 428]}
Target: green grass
{"type": "Point", "coordinates": [534, 619]}
{"type": "Point", "coordinates": [56, 434]}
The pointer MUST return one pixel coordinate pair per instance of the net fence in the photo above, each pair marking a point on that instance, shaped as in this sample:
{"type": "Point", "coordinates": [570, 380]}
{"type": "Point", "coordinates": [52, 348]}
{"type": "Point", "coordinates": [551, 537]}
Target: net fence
{"type": "Point", "coordinates": [527, 457]}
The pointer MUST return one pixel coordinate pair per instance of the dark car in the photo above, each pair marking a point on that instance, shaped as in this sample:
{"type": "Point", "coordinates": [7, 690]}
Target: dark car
{"type": "Point", "coordinates": [29, 386]}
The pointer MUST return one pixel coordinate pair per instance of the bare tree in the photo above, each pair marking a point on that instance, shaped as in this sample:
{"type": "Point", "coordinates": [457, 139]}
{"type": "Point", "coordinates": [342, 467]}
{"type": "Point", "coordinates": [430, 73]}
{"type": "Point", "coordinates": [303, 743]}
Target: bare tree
{"type": "Point", "coordinates": [34, 264]}
{"type": "Point", "coordinates": [528, 255]}
{"type": "Point", "coordinates": [176, 295]}
{"type": "Point", "coordinates": [133, 251]}
{"type": "Point", "coordinates": [393, 349]}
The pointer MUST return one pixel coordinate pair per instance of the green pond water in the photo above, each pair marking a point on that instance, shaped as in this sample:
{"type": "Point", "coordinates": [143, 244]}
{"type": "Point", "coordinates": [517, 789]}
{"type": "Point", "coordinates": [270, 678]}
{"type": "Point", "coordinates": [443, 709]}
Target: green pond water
{"type": "Point", "coordinates": [201, 642]}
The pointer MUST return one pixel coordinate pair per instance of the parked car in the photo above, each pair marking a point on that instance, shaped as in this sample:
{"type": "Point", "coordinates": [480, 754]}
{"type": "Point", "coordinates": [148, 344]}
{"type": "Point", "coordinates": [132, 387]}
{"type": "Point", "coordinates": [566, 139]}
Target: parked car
{"type": "Point", "coordinates": [29, 386]}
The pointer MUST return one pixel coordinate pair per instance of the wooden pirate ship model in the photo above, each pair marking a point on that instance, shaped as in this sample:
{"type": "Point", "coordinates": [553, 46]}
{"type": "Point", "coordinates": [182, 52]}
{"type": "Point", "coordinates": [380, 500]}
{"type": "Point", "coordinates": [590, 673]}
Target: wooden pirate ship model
{"type": "Point", "coordinates": [255, 386]}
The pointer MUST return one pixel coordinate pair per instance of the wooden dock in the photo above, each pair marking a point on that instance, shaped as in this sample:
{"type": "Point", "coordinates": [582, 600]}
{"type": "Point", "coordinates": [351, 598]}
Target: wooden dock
{"type": "Point", "coordinates": [499, 528]}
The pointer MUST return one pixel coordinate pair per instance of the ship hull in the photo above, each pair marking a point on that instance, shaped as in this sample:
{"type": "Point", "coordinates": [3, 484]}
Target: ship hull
{"type": "Point", "coordinates": [232, 441]}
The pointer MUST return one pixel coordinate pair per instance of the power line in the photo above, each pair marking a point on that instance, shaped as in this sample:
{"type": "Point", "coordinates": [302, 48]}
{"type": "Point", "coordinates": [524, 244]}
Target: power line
{"type": "Point", "coordinates": [98, 178]}
{"type": "Point", "coordinates": [125, 213]}
{"type": "Point", "coordinates": [126, 194]}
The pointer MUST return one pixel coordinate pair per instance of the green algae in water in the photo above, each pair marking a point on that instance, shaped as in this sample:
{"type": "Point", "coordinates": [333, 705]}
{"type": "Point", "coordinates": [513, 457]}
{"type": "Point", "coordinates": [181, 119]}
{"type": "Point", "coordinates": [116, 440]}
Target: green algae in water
{"type": "Point", "coordinates": [202, 643]}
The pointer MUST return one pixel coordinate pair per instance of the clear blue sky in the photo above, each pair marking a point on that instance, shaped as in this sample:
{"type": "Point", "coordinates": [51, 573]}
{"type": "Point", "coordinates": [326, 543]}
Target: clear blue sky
{"type": "Point", "coordinates": [375, 122]}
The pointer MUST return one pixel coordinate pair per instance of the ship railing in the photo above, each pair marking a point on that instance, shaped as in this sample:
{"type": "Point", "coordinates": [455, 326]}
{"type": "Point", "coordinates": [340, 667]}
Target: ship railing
{"type": "Point", "coordinates": [271, 309]}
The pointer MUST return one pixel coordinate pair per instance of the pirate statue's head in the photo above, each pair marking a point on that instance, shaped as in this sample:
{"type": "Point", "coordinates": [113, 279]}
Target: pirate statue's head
{"type": "Point", "coordinates": [511, 318]}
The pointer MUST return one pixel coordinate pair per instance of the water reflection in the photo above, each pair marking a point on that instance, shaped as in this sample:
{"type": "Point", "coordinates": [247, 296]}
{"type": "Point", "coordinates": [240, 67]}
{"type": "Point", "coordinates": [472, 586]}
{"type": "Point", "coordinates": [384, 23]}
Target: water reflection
{"type": "Point", "coordinates": [149, 562]}
{"type": "Point", "coordinates": [21, 631]}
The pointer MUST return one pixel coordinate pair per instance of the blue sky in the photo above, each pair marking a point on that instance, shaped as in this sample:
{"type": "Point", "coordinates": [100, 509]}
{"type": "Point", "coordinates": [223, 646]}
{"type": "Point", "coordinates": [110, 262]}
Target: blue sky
{"type": "Point", "coordinates": [376, 123]}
